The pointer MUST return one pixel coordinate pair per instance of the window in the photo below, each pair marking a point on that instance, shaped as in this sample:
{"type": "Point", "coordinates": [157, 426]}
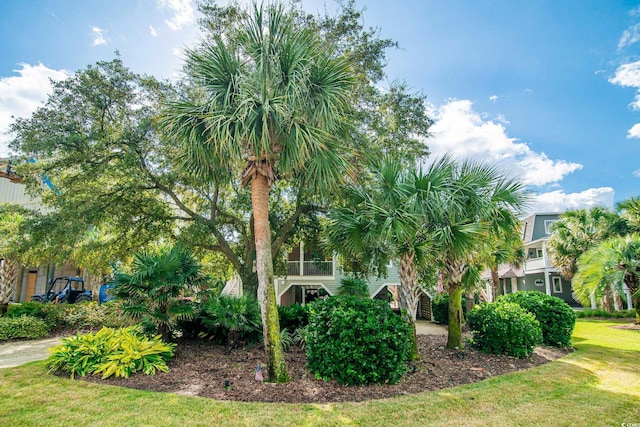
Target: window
{"type": "Point", "coordinates": [547, 225]}
{"type": "Point", "coordinates": [557, 285]}
{"type": "Point", "coordinates": [539, 282]}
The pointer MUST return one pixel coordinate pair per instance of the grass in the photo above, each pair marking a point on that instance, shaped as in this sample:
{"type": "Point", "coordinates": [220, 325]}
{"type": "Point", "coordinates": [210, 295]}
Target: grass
{"type": "Point", "coordinates": [598, 385]}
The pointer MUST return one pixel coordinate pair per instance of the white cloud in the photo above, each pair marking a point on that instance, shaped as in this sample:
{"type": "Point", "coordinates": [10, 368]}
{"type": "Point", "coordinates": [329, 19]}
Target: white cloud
{"type": "Point", "coordinates": [629, 36]}
{"type": "Point", "coordinates": [493, 98]}
{"type": "Point", "coordinates": [636, 173]}
{"type": "Point", "coordinates": [464, 133]}
{"type": "Point", "coordinates": [559, 201]}
{"type": "Point", "coordinates": [98, 36]}
{"type": "Point", "coordinates": [628, 75]}
{"type": "Point", "coordinates": [20, 95]}
{"type": "Point", "coordinates": [634, 132]}
{"type": "Point", "coordinates": [153, 31]}
{"type": "Point", "coordinates": [184, 14]}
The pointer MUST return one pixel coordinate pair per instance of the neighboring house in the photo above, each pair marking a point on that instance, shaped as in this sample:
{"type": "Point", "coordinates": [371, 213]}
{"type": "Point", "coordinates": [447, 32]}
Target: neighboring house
{"type": "Point", "coordinates": [311, 275]}
{"type": "Point", "coordinates": [537, 272]}
{"type": "Point", "coordinates": [32, 279]}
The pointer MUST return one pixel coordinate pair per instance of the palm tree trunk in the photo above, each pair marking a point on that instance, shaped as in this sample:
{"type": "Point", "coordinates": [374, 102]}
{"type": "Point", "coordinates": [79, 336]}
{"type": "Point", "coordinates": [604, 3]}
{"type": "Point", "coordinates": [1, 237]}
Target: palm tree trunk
{"type": "Point", "coordinates": [409, 292]}
{"type": "Point", "coordinates": [8, 271]}
{"type": "Point", "coordinates": [495, 281]}
{"type": "Point", "coordinates": [454, 337]}
{"type": "Point", "coordinates": [276, 367]}
{"type": "Point", "coordinates": [455, 272]}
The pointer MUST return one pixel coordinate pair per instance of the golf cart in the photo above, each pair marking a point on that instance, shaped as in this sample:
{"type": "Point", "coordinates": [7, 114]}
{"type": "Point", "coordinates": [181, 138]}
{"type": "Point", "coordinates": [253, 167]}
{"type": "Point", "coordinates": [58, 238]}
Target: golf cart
{"type": "Point", "coordinates": [65, 289]}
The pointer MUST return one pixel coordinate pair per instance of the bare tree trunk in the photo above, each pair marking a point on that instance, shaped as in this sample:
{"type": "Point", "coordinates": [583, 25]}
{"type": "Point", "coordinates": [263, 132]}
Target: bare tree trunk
{"type": "Point", "coordinates": [409, 297]}
{"type": "Point", "coordinates": [276, 366]}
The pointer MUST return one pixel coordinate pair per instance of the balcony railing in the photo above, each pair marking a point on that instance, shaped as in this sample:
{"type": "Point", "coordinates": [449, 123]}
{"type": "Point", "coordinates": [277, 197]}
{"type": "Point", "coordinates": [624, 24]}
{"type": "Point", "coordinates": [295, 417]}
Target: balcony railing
{"type": "Point", "coordinates": [310, 268]}
{"type": "Point", "coordinates": [536, 263]}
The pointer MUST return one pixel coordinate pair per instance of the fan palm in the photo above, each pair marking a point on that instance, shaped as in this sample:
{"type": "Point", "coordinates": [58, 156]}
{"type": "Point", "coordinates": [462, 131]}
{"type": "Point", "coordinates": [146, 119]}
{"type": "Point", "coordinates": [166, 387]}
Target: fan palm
{"type": "Point", "coordinates": [482, 202]}
{"type": "Point", "coordinates": [153, 290]}
{"type": "Point", "coordinates": [577, 231]}
{"type": "Point", "coordinates": [385, 220]}
{"type": "Point", "coordinates": [612, 263]}
{"type": "Point", "coordinates": [276, 100]}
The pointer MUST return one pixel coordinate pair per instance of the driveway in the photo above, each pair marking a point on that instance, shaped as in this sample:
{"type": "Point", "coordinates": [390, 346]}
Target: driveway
{"type": "Point", "coordinates": [20, 352]}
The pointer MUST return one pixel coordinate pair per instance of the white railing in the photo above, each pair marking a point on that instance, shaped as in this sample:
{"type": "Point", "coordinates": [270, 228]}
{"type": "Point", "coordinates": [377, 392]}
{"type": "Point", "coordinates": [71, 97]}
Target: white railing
{"type": "Point", "coordinates": [310, 268]}
{"type": "Point", "coordinates": [535, 264]}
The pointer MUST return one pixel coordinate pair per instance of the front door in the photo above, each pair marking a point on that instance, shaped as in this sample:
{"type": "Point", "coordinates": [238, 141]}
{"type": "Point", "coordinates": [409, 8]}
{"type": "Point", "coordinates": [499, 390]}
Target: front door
{"type": "Point", "coordinates": [31, 285]}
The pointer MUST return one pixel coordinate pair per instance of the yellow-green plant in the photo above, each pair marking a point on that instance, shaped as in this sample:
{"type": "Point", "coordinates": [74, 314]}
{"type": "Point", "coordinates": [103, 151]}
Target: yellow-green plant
{"type": "Point", "coordinates": [118, 352]}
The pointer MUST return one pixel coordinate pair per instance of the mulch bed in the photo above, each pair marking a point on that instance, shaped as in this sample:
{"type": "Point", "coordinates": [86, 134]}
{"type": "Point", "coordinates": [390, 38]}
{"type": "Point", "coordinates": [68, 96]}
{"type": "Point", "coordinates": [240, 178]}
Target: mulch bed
{"type": "Point", "coordinates": [201, 369]}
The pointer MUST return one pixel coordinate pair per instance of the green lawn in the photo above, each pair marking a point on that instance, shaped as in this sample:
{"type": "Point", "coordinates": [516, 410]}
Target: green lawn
{"type": "Point", "coordinates": [598, 385]}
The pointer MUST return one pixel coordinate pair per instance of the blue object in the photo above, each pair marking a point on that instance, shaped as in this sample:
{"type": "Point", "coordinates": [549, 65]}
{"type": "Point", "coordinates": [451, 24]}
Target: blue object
{"type": "Point", "coordinates": [104, 294]}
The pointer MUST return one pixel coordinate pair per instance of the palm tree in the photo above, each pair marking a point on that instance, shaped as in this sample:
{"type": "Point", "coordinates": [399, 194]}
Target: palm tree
{"type": "Point", "coordinates": [483, 202]}
{"type": "Point", "coordinates": [385, 220]}
{"type": "Point", "coordinates": [505, 248]}
{"type": "Point", "coordinates": [579, 230]}
{"type": "Point", "coordinates": [8, 276]}
{"type": "Point", "coordinates": [392, 217]}
{"type": "Point", "coordinates": [153, 290]}
{"type": "Point", "coordinates": [612, 263]}
{"type": "Point", "coordinates": [630, 211]}
{"type": "Point", "coordinates": [275, 103]}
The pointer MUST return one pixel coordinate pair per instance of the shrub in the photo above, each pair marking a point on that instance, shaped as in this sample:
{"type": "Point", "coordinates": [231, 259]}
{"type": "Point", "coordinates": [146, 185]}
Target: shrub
{"type": "Point", "coordinates": [620, 314]}
{"type": "Point", "coordinates": [110, 352]}
{"type": "Point", "coordinates": [557, 319]}
{"type": "Point", "coordinates": [504, 328]}
{"type": "Point", "coordinates": [93, 315]}
{"type": "Point", "coordinates": [440, 308]}
{"type": "Point", "coordinates": [22, 327]}
{"type": "Point", "coordinates": [233, 318]}
{"type": "Point", "coordinates": [294, 316]}
{"type": "Point", "coordinates": [356, 341]}
{"type": "Point", "coordinates": [51, 314]}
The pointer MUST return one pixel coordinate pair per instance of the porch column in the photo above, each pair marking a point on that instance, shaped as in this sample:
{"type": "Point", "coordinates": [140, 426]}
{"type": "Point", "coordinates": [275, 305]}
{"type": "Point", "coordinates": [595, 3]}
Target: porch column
{"type": "Point", "coordinates": [547, 282]}
{"type": "Point", "coordinates": [302, 258]}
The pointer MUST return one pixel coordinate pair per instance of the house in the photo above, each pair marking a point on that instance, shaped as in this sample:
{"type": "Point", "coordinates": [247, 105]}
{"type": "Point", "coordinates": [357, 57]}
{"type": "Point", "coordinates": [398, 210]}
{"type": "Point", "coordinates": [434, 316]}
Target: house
{"type": "Point", "coordinates": [310, 274]}
{"type": "Point", "coordinates": [31, 279]}
{"type": "Point", "coordinates": [537, 272]}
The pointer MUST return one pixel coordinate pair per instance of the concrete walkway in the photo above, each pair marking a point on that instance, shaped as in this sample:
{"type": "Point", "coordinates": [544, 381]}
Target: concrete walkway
{"type": "Point", "coordinates": [424, 327]}
{"type": "Point", "coordinates": [20, 352]}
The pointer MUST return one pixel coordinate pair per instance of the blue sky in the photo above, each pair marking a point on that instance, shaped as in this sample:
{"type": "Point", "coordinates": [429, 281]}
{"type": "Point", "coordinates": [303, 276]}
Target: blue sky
{"type": "Point", "coordinates": [549, 90]}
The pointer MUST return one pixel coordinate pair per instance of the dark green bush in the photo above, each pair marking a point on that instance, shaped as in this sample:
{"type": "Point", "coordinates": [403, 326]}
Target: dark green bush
{"type": "Point", "coordinates": [22, 327]}
{"type": "Point", "coordinates": [356, 341]}
{"type": "Point", "coordinates": [504, 328]}
{"type": "Point", "coordinates": [293, 317]}
{"type": "Point", "coordinates": [76, 316]}
{"type": "Point", "coordinates": [620, 314]}
{"type": "Point", "coordinates": [557, 319]}
{"type": "Point", "coordinates": [232, 319]}
{"type": "Point", "coordinates": [440, 308]}
{"type": "Point", "coordinates": [51, 314]}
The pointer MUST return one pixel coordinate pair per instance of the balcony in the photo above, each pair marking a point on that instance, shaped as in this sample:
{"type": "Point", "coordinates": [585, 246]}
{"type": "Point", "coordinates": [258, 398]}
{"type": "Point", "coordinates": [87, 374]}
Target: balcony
{"type": "Point", "coordinates": [310, 268]}
{"type": "Point", "coordinates": [535, 264]}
